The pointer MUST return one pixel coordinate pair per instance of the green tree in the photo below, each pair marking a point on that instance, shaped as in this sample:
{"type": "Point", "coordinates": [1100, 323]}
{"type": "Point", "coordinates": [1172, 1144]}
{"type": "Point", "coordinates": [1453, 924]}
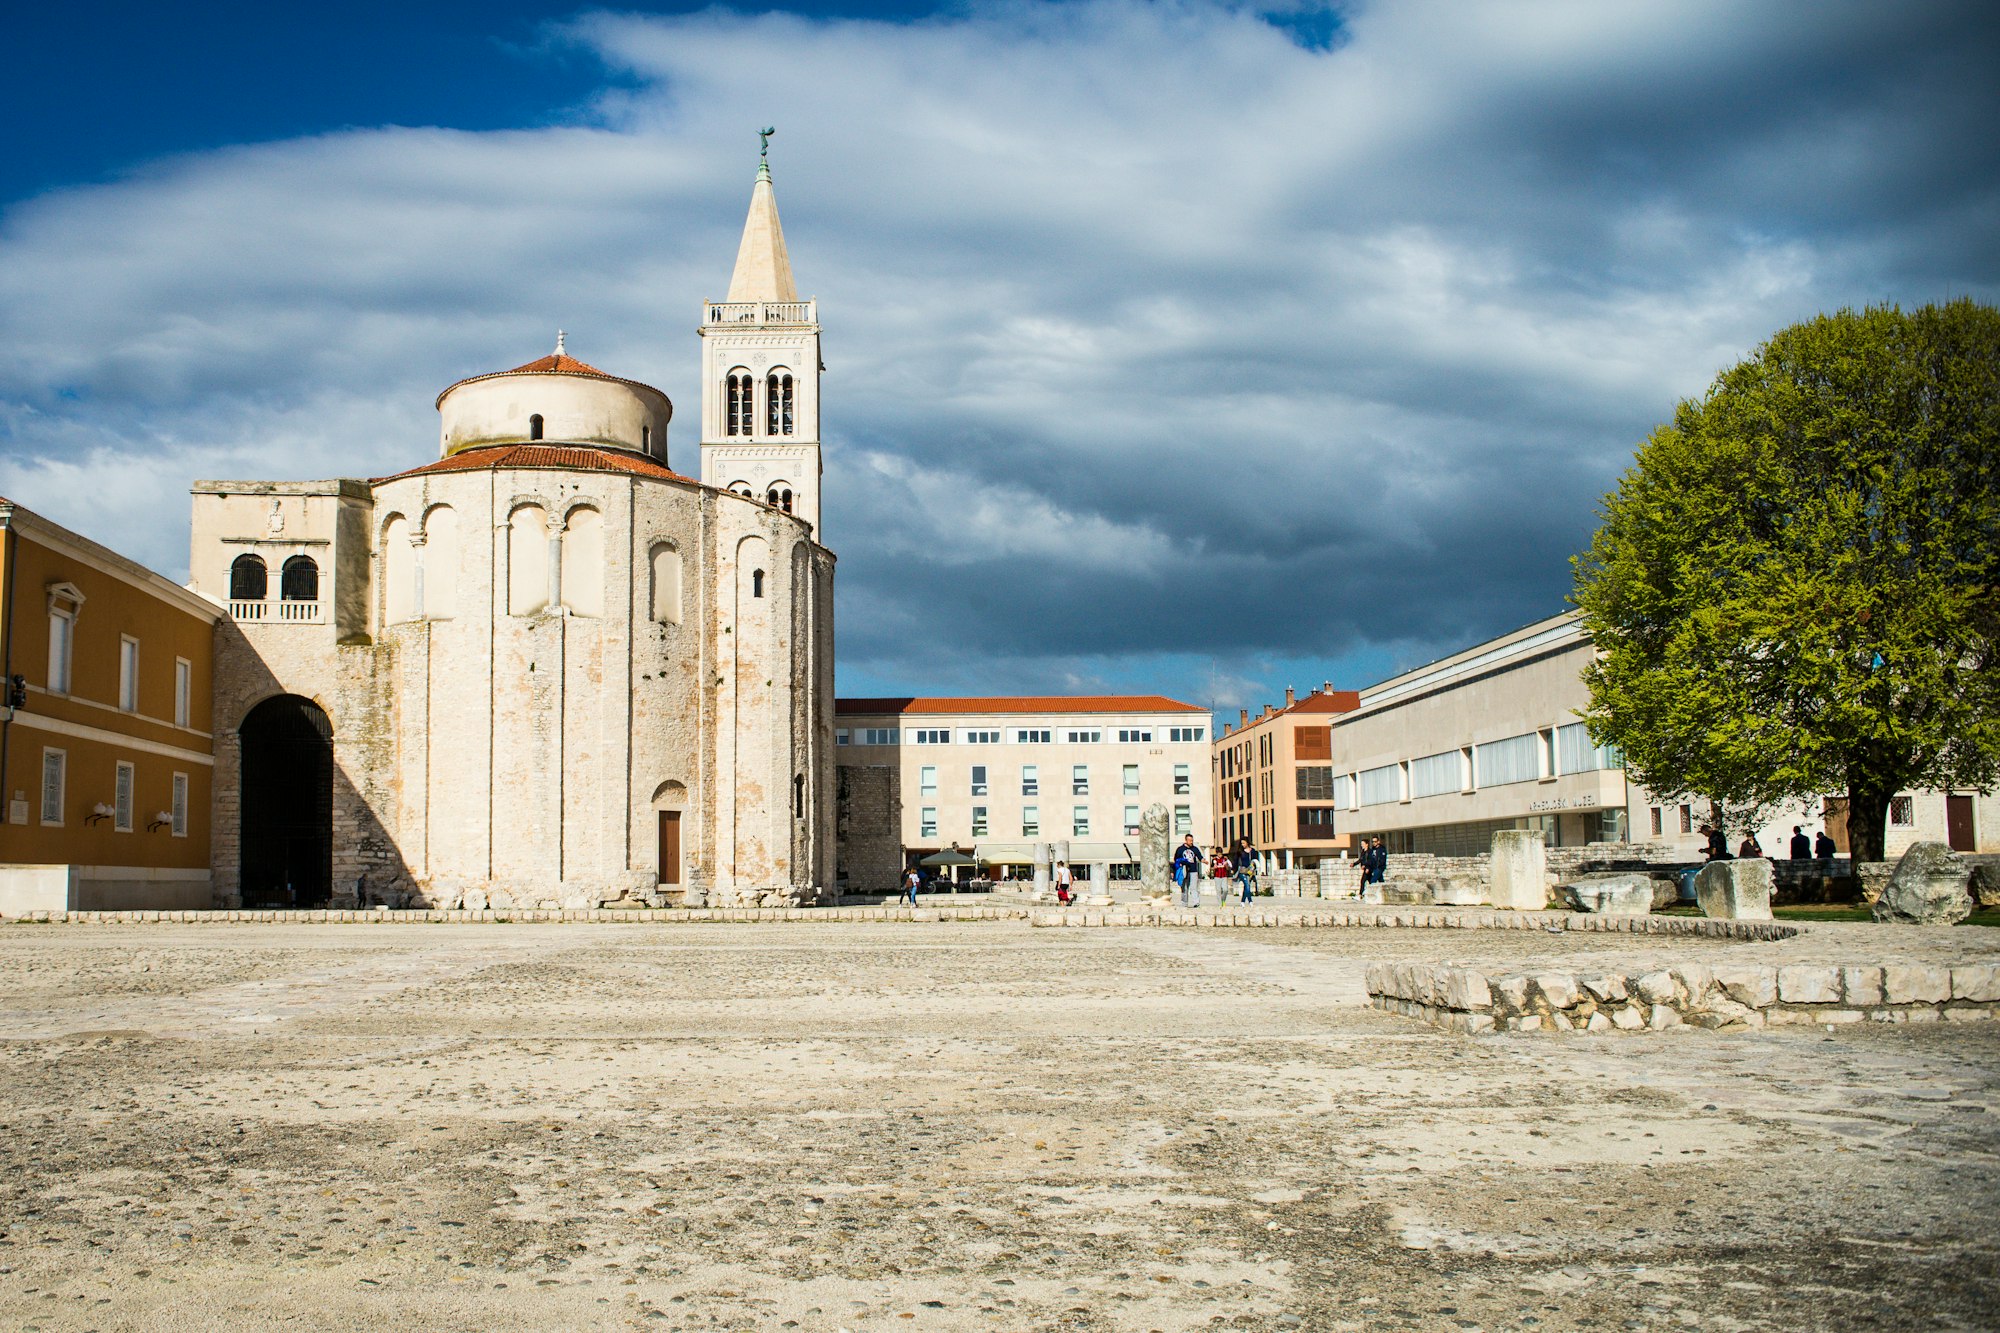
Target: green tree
{"type": "Point", "coordinates": [1796, 589]}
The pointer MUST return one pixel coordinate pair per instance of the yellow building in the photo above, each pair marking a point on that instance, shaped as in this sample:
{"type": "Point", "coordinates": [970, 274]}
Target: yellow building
{"type": "Point", "coordinates": [105, 748]}
{"type": "Point", "coordinates": [1274, 780]}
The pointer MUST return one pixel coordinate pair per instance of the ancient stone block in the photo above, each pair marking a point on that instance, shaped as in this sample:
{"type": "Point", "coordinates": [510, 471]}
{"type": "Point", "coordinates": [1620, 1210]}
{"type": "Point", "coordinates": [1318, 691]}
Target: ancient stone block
{"type": "Point", "coordinates": [1809, 985]}
{"type": "Point", "coordinates": [1623, 894]}
{"type": "Point", "coordinates": [1978, 982]}
{"type": "Point", "coordinates": [1607, 987]}
{"type": "Point", "coordinates": [1735, 890]}
{"type": "Point", "coordinates": [1403, 893]}
{"type": "Point", "coordinates": [1928, 888]}
{"type": "Point", "coordinates": [1656, 987]}
{"type": "Point", "coordinates": [1627, 1018]}
{"type": "Point", "coordinates": [1597, 1023]}
{"type": "Point", "coordinates": [1662, 1017]}
{"type": "Point", "coordinates": [1520, 868]}
{"type": "Point", "coordinates": [1459, 891]}
{"type": "Point", "coordinates": [1558, 990]}
{"type": "Point", "coordinates": [1697, 981]}
{"type": "Point", "coordinates": [1984, 884]}
{"type": "Point", "coordinates": [1465, 989]}
{"type": "Point", "coordinates": [1756, 987]}
{"type": "Point", "coordinates": [1510, 994]}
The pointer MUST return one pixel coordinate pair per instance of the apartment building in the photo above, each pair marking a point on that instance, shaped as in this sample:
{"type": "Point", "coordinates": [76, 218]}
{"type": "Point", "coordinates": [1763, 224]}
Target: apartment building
{"type": "Point", "coordinates": [1274, 779]}
{"type": "Point", "coordinates": [105, 746]}
{"type": "Point", "coordinates": [993, 777]}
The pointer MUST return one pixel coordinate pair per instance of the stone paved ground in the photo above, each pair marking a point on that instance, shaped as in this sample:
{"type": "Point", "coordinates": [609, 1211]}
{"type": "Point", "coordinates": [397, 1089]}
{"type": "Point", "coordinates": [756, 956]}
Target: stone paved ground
{"type": "Point", "coordinates": [954, 1126]}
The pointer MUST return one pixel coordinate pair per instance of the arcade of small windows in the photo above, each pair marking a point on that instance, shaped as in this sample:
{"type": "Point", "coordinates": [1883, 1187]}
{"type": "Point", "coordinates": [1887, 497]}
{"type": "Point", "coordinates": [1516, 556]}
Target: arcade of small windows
{"type": "Point", "coordinates": [250, 579]}
{"type": "Point", "coordinates": [778, 403]}
{"type": "Point", "coordinates": [739, 415]}
{"type": "Point", "coordinates": [779, 497]}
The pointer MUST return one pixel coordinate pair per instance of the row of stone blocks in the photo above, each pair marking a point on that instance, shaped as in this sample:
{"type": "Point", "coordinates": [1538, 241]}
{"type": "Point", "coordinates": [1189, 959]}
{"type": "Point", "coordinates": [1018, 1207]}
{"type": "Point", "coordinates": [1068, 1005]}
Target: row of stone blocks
{"type": "Point", "coordinates": [1431, 919]}
{"type": "Point", "coordinates": [1464, 999]}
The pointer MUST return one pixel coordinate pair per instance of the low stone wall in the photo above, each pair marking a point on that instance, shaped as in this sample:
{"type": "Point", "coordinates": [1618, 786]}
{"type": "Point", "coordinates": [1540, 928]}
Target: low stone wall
{"type": "Point", "coordinates": [1471, 1000]}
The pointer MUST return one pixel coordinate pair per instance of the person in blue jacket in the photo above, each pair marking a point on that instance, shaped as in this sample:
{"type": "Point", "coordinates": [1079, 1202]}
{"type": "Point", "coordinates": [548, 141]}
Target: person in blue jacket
{"type": "Point", "coordinates": [1243, 867]}
{"type": "Point", "coordinates": [1187, 871]}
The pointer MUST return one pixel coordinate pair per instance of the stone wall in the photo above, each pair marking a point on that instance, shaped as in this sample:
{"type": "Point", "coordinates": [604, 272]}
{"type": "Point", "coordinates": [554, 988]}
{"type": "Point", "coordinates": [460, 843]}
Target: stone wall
{"type": "Point", "coordinates": [867, 827]}
{"type": "Point", "coordinates": [1464, 999]}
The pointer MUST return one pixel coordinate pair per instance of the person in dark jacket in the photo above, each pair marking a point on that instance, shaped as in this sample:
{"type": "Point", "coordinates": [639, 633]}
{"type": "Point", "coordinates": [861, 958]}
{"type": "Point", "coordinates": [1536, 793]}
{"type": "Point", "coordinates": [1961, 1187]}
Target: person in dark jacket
{"type": "Point", "coordinates": [1243, 866]}
{"type": "Point", "coordinates": [1188, 865]}
{"type": "Point", "coordinates": [1716, 847]}
{"type": "Point", "coordinates": [1823, 848]}
{"type": "Point", "coordinates": [1802, 848]}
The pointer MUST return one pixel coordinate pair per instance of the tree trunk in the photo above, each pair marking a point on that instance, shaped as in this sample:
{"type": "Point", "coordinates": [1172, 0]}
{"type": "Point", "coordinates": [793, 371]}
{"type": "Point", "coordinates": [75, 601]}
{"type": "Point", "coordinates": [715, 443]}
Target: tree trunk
{"type": "Point", "coordinates": [1867, 819]}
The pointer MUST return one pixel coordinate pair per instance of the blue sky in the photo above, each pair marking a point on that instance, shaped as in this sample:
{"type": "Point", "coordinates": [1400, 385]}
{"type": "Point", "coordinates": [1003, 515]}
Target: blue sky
{"type": "Point", "coordinates": [1176, 347]}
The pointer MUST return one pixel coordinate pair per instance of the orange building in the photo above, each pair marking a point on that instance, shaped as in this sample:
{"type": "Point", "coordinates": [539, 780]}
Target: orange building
{"type": "Point", "coordinates": [105, 749]}
{"type": "Point", "coordinates": [1274, 780]}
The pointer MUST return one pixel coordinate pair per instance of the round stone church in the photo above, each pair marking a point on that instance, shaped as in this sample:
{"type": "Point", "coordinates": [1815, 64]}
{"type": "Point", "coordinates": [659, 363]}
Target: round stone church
{"type": "Point", "coordinates": [543, 668]}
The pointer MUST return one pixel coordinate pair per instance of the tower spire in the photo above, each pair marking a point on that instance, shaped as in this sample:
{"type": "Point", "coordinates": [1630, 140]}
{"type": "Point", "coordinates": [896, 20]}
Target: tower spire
{"type": "Point", "coordinates": [763, 269]}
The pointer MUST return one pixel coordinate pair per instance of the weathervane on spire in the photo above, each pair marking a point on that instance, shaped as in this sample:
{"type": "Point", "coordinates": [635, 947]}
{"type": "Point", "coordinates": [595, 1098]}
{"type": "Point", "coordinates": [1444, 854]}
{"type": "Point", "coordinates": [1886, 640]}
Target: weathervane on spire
{"type": "Point", "coordinates": [764, 142]}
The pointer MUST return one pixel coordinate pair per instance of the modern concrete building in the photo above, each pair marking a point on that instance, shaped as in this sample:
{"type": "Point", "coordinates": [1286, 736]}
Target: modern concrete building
{"type": "Point", "coordinates": [543, 668]}
{"type": "Point", "coordinates": [106, 749]}
{"type": "Point", "coordinates": [1438, 759]}
{"type": "Point", "coordinates": [1274, 779]}
{"type": "Point", "coordinates": [992, 777]}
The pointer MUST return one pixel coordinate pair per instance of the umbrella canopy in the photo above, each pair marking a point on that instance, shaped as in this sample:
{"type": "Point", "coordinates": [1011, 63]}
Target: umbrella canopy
{"type": "Point", "coordinates": [951, 856]}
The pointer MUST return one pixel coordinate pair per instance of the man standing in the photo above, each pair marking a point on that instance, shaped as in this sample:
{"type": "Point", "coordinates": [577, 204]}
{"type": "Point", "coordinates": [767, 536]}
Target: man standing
{"type": "Point", "coordinates": [1187, 871]}
{"type": "Point", "coordinates": [1243, 865]}
{"type": "Point", "coordinates": [1802, 848]}
{"type": "Point", "coordinates": [1378, 861]}
{"type": "Point", "coordinates": [1823, 848]}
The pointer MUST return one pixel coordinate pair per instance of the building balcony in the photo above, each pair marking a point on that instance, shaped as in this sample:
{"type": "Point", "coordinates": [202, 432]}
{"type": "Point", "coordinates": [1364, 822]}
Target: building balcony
{"type": "Point", "coordinates": [288, 611]}
{"type": "Point", "coordinates": [762, 312]}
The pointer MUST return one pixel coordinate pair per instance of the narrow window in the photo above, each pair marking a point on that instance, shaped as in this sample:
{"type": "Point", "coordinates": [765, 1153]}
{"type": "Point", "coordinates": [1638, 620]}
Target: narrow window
{"type": "Point", "coordinates": [583, 563]}
{"type": "Point", "coordinates": [128, 673]}
{"type": "Point", "coordinates": [1183, 783]}
{"type": "Point", "coordinates": [1031, 780]}
{"type": "Point", "coordinates": [756, 583]}
{"type": "Point", "coordinates": [437, 561]}
{"type": "Point", "coordinates": [736, 412]}
{"type": "Point", "coordinates": [180, 809]}
{"type": "Point", "coordinates": [927, 822]}
{"type": "Point", "coordinates": [798, 796]}
{"type": "Point", "coordinates": [646, 438]}
{"type": "Point", "coordinates": [527, 560]}
{"type": "Point", "coordinates": [62, 628]}
{"type": "Point", "coordinates": [978, 821]}
{"type": "Point", "coordinates": [667, 587]}
{"type": "Point", "coordinates": [55, 771]}
{"type": "Point", "coordinates": [183, 692]}
{"type": "Point", "coordinates": [535, 426]}
{"type": "Point", "coordinates": [979, 779]}
{"type": "Point", "coordinates": [121, 800]}
{"type": "Point", "coordinates": [1131, 779]}
{"type": "Point", "coordinates": [1079, 780]}
{"type": "Point", "coordinates": [778, 403]}
{"type": "Point", "coordinates": [248, 579]}
{"type": "Point", "coordinates": [1031, 821]}
{"type": "Point", "coordinates": [399, 572]}
{"type": "Point", "coordinates": [299, 580]}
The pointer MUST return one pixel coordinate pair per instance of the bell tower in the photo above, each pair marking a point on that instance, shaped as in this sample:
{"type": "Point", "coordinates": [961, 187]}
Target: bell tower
{"type": "Point", "coordinates": [760, 371]}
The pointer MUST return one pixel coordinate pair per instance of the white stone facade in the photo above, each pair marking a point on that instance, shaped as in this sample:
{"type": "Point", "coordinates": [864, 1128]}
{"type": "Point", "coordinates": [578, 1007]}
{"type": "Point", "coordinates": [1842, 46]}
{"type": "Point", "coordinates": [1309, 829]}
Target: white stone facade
{"type": "Point", "coordinates": [556, 673]}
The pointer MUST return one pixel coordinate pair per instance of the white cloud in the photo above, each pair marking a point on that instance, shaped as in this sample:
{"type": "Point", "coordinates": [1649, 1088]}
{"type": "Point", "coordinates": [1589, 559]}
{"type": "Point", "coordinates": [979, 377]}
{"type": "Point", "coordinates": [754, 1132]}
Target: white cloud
{"type": "Point", "coordinates": [1139, 316]}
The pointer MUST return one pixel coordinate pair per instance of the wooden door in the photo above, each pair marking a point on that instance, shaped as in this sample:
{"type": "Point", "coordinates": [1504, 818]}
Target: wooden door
{"type": "Point", "coordinates": [1958, 824]}
{"type": "Point", "coordinates": [1834, 812]}
{"type": "Point", "coordinates": [670, 846]}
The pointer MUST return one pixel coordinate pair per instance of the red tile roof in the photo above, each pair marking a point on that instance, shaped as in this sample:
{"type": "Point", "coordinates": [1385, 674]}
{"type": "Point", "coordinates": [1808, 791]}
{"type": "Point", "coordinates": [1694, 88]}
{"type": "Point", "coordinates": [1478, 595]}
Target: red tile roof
{"type": "Point", "coordinates": [1025, 703]}
{"type": "Point", "coordinates": [560, 363]}
{"type": "Point", "coordinates": [576, 457]}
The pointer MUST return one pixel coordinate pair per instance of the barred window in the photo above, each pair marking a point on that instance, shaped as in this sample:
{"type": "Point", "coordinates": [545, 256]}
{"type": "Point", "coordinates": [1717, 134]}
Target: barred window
{"type": "Point", "coordinates": [1315, 784]}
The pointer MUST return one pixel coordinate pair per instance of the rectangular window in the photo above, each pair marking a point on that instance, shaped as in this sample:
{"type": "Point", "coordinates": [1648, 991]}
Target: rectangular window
{"type": "Point", "coordinates": [878, 736]}
{"type": "Point", "coordinates": [180, 810]}
{"type": "Point", "coordinates": [1315, 784]}
{"type": "Point", "coordinates": [1655, 813]}
{"type": "Point", "coordinates": [1343, 791]}
{"type": "Point", "coordinates": [927, 823]}
{"type": "Point", "coordinates": [1902, 812]}
{"type": "Point", "coordinates": [121, 799]}
{"type": "Point", "coordinates": [1131, 779]}
{"type": "Point", "coordinates": [1031, 736]}
{"type": "Point", "coordinates": [1085, 737]}
{"type": "Point", "coordinates": [978, 821]}
{"type": "Point", "coordinates": [183, 692]}
{"type": "Point", "coordinates": [840, 736]}
{"type": "Point", "coordinates": [1131, 821]}
{"type": "Point", "coordinates": [62, 626]}
{"type": "Point", "coordinates": [1079, 780]}
{"type": "Point", "coordinates": [1031, 821]}
{"type": "Point", "coordinates": [1185, 733]}
{"type": "Point", "coordinates": [128, 673]}
{"type": "Point", "coordinates": [1031, 780]}
{"type": "Point", "coordinates": [1183, 782]}
{"type": "Point", "coordinates": [1136, 736]}
{"type": "Point", "coordinates": [1436, 774]}
{"type": "Point", "coordinates": [982, 738]}
{"type": "Point", "coordinates": [1687, 819]}
{"type": "Point", "coordinates": [55, 774]}
{"type": "Point", "coordinates": [930, 736]}
{"type": "Point", "coordinates": [1079, 821]}
{"type": "Point", "coordinates": [1379, 786]}
{"type": "Point", "coordinates": [1316, 822]}
{"type": "Point", "coordinates": [1183, 819]}
{"type": "Point", "coordinates": [1516, 759]}
{"type": "Point", "coordinates": [1309, 743]}
{"type": "Point", "coordinates": [927, 780]}
{"type": "Point", "coordinates": [1575, 753]}
{"type": "Point", "coordinates": [979, 779]}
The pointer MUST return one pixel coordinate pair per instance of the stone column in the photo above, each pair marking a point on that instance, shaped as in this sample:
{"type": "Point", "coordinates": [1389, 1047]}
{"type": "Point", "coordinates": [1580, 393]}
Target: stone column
{"type": "Point", "coordinates": [1520, 867]}
{"type": "Point", "coordinates": [1155, 851]}
{"type": "Point", "coordinates": [1041, 871]}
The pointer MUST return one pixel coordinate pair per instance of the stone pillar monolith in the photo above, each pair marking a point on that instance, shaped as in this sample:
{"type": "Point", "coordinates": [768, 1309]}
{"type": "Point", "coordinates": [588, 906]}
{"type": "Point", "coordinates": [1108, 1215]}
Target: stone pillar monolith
{"type": "Point", "coordinates": [1735, 890]}
{"type": "Point", "coordinates": [1155, 851]}
{"type": "Point", "coordinates": [1520, 870]}
{"type": "Point", "coordinates": [1041, 871]}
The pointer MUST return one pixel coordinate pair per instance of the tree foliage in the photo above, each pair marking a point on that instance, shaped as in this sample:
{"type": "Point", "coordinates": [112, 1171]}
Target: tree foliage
{"type": "Point", "coordinates": [1796, 589]}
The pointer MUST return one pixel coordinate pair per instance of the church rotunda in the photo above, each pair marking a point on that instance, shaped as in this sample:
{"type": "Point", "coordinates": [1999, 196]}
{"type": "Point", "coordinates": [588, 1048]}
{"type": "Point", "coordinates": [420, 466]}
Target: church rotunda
{"type": "Point", "coordinates": [543, 668]}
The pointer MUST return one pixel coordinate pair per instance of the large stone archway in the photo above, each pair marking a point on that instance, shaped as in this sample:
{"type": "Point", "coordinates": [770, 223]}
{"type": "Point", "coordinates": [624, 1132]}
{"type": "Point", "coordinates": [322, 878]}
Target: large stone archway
{"type": "Point", "coordinates": [286, 842]}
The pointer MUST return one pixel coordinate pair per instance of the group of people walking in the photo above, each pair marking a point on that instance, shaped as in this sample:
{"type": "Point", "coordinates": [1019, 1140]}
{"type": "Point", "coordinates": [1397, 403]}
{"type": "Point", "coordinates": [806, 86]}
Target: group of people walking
{"type": "Point", "coordinates": [1190, 867]}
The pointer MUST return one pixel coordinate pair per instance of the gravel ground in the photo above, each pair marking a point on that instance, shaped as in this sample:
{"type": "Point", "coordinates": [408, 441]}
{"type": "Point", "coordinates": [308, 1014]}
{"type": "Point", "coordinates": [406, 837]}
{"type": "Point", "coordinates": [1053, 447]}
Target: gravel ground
{"type": "Point", "coordinates": [954, 1126]}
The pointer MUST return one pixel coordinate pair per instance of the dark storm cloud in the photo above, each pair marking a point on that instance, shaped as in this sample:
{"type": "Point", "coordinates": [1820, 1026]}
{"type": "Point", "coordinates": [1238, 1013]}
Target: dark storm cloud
{"type": "Point", "coordinates": [1165, 348]}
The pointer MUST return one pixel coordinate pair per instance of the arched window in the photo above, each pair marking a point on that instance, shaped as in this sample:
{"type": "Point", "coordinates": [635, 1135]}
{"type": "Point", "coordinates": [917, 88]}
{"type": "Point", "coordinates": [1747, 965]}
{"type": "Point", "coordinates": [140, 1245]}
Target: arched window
{"type": "Point", "coordinates": [527, 560]}
{"type": "Point", "coordinates": [583, 563]}
{"type": "Point", "coordinates": [738, 416]}
{"type": "Point", "coordinates": [779, 497]}
{"type": "Point", "coordinates": [399, 572]}
{"type": "Point", "coordinates": [437, 565]}
{"type": "Point", "coordinates": [248, 579]}
{"type": "Point", "coordinates": [535, 426]}
{"type": "Point", "coordinates": [646, 439]}
{"type": "Point", "coordinates": [742, 488]}
{"type": "Point", "coordinates": [666, 585]}
{"type": "Point", "coordinates": [756, 583]}
{"type": "Point", "coordinates": [778, 402]}
{"type": "Point", "coordinates": [299, 582]}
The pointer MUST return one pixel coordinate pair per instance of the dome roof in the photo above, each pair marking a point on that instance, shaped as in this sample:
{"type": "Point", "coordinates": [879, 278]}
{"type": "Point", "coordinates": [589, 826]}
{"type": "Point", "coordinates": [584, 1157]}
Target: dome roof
{"type": "Point", "coordinates": [557, 399]}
